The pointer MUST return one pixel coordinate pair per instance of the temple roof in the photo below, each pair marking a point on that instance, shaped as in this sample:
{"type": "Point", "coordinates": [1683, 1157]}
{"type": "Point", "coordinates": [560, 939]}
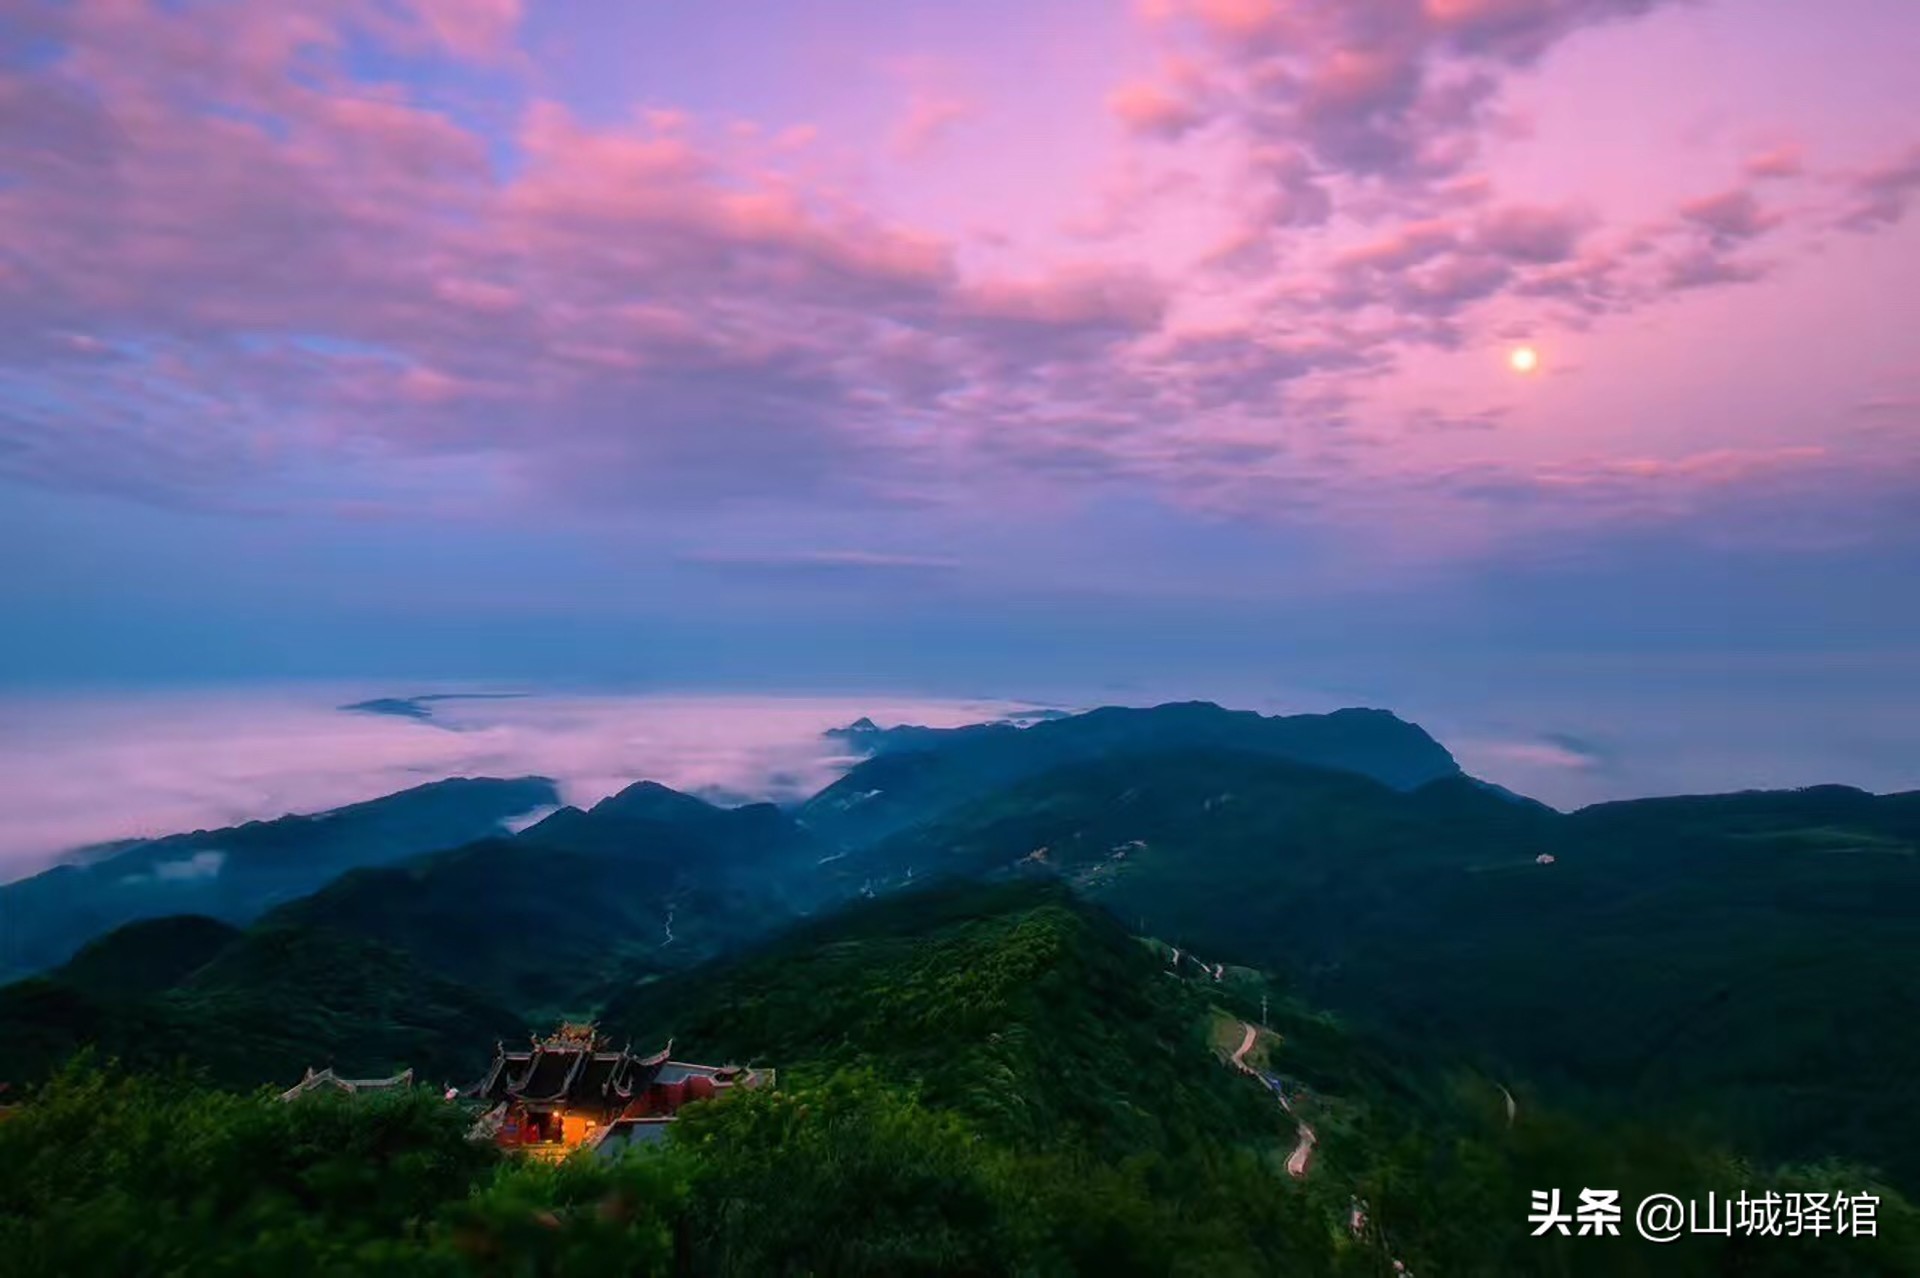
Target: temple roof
{"type": "Point", "coordinates": [550, 1075]}
{"type": "Point", "coordinates": [569, 1067]}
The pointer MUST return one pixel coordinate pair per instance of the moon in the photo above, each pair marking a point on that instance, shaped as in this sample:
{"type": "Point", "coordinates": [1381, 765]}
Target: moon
{"type": "Point", "coordinates": [1523, 359]}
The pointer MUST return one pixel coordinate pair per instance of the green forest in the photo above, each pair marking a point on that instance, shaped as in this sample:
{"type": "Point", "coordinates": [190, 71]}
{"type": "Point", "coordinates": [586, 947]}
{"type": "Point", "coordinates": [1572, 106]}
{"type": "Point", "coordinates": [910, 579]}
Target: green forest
{"type": "Point", "coordinates": [1001, 998]}
{"type": "Point", "coordinates": [975, 1079]}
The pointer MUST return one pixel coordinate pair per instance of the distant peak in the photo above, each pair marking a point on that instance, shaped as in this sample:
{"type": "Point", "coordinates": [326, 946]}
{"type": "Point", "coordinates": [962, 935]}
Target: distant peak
{"type": "Point", "coordinates": [650, 799]}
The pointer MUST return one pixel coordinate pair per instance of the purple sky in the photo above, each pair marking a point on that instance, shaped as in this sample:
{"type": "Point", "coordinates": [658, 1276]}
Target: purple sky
{"type": "Point", "coordinates": [985, 348]}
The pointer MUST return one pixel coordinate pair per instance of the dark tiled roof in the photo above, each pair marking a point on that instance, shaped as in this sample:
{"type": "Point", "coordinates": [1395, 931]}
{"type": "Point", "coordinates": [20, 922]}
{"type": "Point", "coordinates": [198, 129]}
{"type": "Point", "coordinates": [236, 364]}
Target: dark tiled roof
{"type": "Point", "coordinates": [557, 1071]}
{"type": "Point", "coordinates": [508, 1068]}
{"type": "Point", "coordinates": [552, 1075]}
{"type": "Point", "coordinates": [597, 1075]}
{"type": "Point", "coordinates": [554, 1072]}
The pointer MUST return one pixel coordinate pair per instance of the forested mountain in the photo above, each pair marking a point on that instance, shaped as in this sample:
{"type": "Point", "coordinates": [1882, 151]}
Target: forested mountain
{"type": "Point", "coordinates": [234, 874]}
{"type": "Point", "coordinates": [1750, 961]}
{"type": "Point", "coordinates": [1728, 972]}
{"type": "Point", "coordinates": [720, 862]}
{"type": "Point", "coordinates": [915, 772]}
{"type": "Point", "coordinates": [247, 1008]}
{"type": "Point", "coordinates": [646, 879]}
{"type": "Point", "coordinates": [426, 962]}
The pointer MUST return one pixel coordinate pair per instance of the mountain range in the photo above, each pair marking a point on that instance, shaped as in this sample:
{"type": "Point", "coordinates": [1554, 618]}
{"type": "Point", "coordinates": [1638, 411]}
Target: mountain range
{"type": "Point", "coordinates": [237, 873]}
{"type": "Point", "coordinates": [912, 772]}
{"type": "Point", "coordinates": [1738, 966]}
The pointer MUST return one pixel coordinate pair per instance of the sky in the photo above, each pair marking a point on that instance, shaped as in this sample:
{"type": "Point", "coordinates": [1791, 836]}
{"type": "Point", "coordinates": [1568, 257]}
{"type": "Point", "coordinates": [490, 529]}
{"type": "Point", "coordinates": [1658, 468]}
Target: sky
{"type": "Point", "coordinates": [1056, 350]}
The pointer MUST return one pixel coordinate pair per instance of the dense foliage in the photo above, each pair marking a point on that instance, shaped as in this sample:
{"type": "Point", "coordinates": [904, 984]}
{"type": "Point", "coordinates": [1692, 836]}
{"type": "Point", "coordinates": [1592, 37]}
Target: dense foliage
{"type": "Point", "coordinates": [265, 1007]}
{"type": "Point", "coordinates": [1749, 962]}
{"type": "Point", "coordinates": [543, 921]}
{"type": "Point", "coordinates": [1013, 1004]}
{"type": "Point", "coordinates": [907, 1137]}
{"type": "Point", "coordinates": [104, 1174]}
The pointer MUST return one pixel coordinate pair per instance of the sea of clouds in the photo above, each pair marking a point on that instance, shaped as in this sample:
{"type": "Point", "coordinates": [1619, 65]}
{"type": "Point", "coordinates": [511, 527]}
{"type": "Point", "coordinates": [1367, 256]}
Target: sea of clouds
{"type": "Point", "coordinates": [79, 769]}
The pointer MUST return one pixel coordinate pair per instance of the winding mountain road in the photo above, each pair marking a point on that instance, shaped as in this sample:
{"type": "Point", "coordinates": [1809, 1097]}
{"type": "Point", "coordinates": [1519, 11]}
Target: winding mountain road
{"type": "Point", "coordinates": [1302, 1154]}
{"type": "Point", "coordinates": [1246, 1045]}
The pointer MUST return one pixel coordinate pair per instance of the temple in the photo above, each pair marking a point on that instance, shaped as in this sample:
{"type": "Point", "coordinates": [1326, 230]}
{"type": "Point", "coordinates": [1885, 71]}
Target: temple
{"type": "Point", "coordinates": [571, 1091]}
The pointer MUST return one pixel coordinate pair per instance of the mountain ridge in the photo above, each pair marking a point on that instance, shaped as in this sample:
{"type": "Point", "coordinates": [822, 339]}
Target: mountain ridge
{"type": "Point", "coordinates": [235, 873]}
{"type": "Point", "coordinates": [913, 770]}
{"type": "Point", "coordinates": [1446, 912]}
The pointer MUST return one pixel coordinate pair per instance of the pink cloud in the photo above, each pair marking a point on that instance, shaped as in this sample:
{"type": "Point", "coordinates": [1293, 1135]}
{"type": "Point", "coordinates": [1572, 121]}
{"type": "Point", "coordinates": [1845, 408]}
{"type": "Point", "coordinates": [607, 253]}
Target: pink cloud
{"type": "Point", "coordinates": [1522, 30]}
{"type": "Point", "coordinates": [234, 259]}
{"type": "Point", "coordinates": [1072, 301]}
{"type": "Point", "coordinates": [1144, 106]}
{"type": "Point", "coordinates": [1718, 467]}
{"type": "Point", "coordinates": [1532, 233]}
{"type": "Point", "coordinates": [929, 117]}
{"type": "Point", "coordinates": [473, 28]}
{"type": "Point", "coordinates": [1702, 267]}
{"type": "Point", "coordinates": [1881, 195]}
{"type": "Point", "coordinates": [1730, 215]}
{"type": "Point", "coordinates": [1238, 19]}
{"type": "Point", "coordinates": [1535, 754]}
{"type": "Point", "coordinates": [1379, 88]}
{"type": "Point", "coordinates": [1406, 245]}
{"type": "Point", "coordinates": [1787, 498]}
{"type": "Point", "coordinates": [1783, 161]}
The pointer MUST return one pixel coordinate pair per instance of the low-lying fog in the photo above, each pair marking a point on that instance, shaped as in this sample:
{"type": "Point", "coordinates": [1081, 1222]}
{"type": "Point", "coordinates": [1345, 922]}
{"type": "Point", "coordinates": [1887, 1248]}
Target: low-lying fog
{"type": "Point", "coordinates": [84, 768]}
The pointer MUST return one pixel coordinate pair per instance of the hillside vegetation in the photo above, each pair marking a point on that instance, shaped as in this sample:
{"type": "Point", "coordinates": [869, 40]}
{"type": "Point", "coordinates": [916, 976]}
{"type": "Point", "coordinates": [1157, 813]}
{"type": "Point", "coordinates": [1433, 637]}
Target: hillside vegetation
{"type": "Point", "coordinates": [1747, 962]}
{"type": "Point", "coordinates": [975, 1080]}
{"type": "Point", "coordinates": [259, 1008]}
